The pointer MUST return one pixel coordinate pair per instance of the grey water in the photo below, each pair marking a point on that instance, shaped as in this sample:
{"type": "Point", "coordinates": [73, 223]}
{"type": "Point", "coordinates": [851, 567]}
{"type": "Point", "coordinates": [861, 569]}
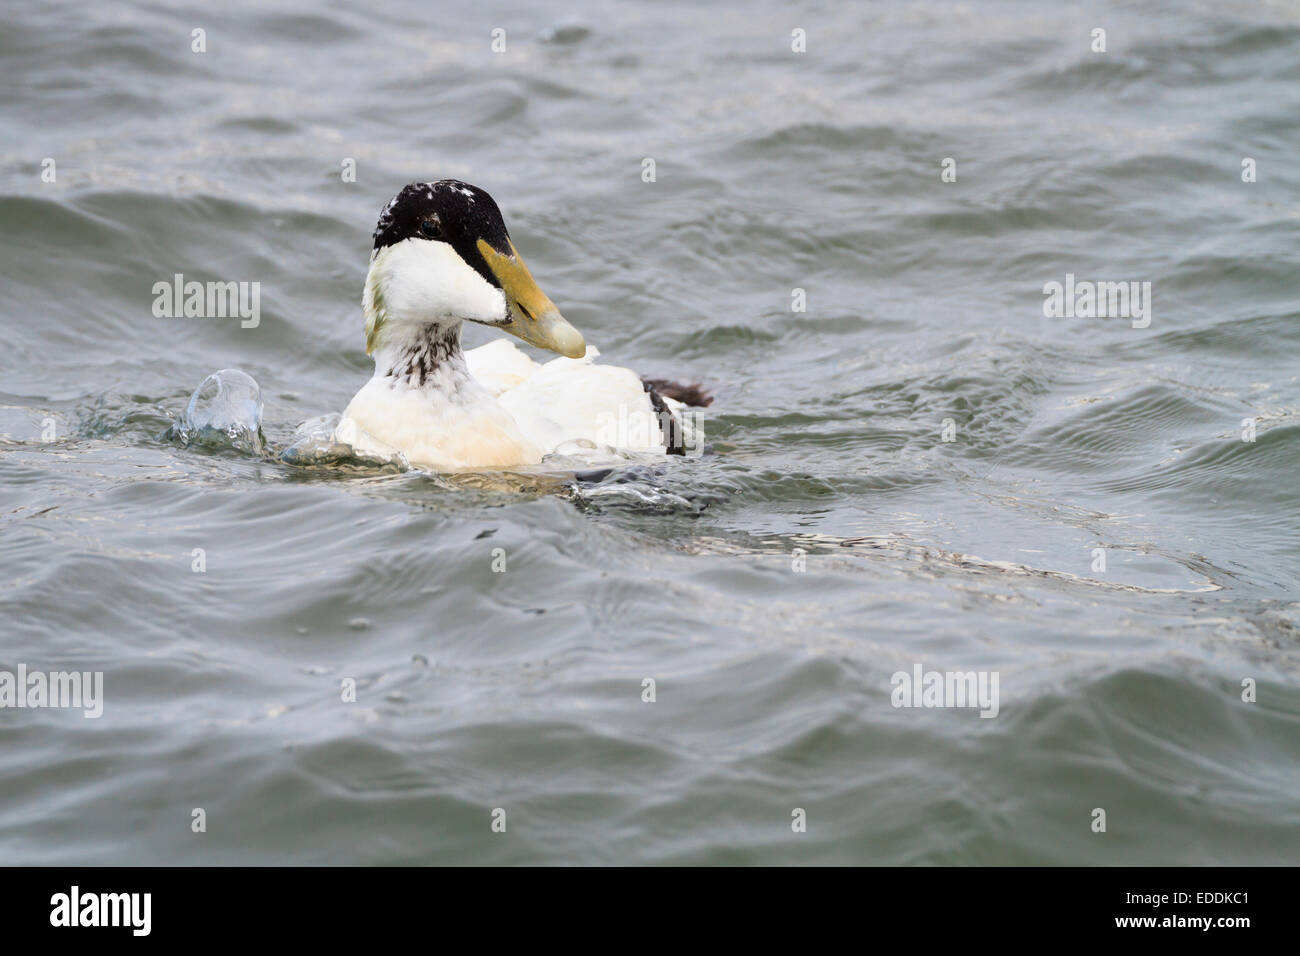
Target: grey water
{"type": "Point", "coordinates": [847, 238]}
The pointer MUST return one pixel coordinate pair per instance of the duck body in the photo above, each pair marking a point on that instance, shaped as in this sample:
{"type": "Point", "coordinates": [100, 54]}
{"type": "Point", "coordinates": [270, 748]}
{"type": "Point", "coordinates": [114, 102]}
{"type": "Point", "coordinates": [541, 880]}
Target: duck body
{"type": "Point", "coordinates": [442, 257]}
{"type": "Point", "coordinates": [494, 407]}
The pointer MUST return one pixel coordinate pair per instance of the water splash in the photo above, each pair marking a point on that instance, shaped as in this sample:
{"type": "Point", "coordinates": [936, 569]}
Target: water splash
{"type": "Point", "coordinates": [225, 411]}
{"type": "Point", "coordinates": [314, 445]}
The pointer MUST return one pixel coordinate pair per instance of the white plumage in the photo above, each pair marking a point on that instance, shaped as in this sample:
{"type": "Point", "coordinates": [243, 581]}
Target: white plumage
{"type": "Point", "coordinates": [568, 400]}
{"type": "Point", "coordinates": [503, 409]}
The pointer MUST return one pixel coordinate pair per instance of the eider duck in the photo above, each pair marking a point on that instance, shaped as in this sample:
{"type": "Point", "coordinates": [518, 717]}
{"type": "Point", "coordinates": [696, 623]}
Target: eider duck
{"type": "Point", "coordinates": [442, 256]}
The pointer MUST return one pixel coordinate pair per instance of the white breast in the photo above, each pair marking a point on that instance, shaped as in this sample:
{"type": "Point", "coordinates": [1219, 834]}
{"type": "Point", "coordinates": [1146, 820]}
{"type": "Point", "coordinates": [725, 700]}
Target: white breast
{"type": "Point", "coordinates": [432, 431]}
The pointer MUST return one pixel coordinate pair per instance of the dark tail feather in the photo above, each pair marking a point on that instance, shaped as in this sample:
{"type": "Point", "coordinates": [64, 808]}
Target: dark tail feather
{"type": "Point", "coordinates": [686, 394]}
{"type": "Point", "coordinates": [669, 424]}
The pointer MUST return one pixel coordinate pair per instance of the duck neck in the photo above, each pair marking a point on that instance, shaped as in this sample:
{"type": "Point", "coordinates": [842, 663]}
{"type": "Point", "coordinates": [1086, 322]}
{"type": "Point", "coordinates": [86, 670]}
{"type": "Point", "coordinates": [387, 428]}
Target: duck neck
{"type": "Point", "coordinates": [424, 358]}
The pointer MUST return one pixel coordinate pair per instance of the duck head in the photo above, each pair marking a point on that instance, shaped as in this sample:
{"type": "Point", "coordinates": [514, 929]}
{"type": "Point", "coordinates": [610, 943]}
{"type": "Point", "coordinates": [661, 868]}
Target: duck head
{"type": "Point", "coordinates": [443, 256]}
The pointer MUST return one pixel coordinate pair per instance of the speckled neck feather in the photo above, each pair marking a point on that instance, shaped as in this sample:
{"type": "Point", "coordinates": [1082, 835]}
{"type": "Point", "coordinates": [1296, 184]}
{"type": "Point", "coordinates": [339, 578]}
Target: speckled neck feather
{"type": "Point", "coordinates": [431, 351]}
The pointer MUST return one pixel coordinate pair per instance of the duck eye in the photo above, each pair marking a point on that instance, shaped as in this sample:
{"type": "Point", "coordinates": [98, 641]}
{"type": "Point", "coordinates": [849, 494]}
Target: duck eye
{"type": "Point", "coordinates": [431, 229]}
